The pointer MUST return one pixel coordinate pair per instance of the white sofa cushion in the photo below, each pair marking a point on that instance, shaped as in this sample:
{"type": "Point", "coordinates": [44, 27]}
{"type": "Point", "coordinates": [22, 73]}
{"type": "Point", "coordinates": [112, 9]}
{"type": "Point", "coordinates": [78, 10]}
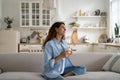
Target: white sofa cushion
{"type": "Point", "coordinates": [113, 64]}
{"type": "Point", "coordinates": [36, 76]}
{"type": "Point", "coordinates": [93, 61]}
{"type": "Point", "coordinates": [33, 62]}
{"type": "Point", "coordinates": [96, 76]}
{"type": "Point", "coordinates": [21, 76]}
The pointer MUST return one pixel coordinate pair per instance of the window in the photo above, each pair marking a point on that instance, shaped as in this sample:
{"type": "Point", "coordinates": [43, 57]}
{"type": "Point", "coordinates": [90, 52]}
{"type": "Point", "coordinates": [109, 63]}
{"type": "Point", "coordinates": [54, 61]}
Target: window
{"type": "Point", "coordinates": [115, 15]}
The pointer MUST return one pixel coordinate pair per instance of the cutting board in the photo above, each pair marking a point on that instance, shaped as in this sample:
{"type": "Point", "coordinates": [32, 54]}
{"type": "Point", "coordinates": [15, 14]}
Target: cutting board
{"type": "Point", "coordinates": [74, 37]}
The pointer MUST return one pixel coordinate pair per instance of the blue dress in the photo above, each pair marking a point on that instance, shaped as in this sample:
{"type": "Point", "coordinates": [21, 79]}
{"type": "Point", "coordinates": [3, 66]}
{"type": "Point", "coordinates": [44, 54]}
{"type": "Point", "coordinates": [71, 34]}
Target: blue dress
{"type": "Point", "coordinates": [54, 71]}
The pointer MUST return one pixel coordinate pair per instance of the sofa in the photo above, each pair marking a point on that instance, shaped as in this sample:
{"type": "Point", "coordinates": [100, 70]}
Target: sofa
{"type": "Point", "coordinates": [28, 66]}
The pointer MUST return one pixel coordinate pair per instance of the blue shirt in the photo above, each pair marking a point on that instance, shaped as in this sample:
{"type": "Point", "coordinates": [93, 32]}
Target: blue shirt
{"type": "Point", "coordinates": [52, 49]}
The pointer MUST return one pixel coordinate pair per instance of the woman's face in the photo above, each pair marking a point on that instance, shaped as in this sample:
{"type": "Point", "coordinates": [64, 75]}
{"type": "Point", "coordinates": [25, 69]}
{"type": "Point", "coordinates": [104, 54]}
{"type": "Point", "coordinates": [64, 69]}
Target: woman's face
{"type": "Point", "coordinates": [61, 30]}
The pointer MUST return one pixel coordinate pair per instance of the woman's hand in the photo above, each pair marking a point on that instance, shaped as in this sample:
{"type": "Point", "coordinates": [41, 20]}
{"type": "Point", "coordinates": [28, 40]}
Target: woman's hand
{"type": "Point", "coordinates": [69, 50]}
{"type": "Point", "coordinates": [66, 53]}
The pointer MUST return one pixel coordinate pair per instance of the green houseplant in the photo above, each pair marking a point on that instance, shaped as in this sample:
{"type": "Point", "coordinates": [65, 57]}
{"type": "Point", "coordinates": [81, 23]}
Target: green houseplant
{"type": "Point", "coordinates": [73, 24]}
{"type": "Point", "coordinates": [116, 29]}
{"type": "Point", "coordinates": [8, 21]}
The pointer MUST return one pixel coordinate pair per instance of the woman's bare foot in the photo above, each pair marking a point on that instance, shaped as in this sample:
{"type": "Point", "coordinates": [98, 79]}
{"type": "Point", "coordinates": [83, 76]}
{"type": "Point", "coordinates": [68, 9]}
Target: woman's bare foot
{"type": "Point", "coordinates": [69, 74]}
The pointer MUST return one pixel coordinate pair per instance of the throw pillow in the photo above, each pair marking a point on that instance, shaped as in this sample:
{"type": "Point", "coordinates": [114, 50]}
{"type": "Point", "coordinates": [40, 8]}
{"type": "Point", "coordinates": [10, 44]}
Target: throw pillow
{"type": "Point", "coordinates": [113, 64]}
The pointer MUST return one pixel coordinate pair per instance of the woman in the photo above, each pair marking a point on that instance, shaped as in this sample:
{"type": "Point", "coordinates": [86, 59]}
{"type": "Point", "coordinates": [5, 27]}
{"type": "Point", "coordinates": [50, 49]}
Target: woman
{"type": "Point", "coordinates": [57, 64]}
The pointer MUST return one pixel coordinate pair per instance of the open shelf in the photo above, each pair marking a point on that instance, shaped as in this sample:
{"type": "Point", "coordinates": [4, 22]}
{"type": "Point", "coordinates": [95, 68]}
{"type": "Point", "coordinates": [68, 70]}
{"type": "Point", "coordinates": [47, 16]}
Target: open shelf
{"type": "Point", "coordinates": [88, 16]}
{"type": "Point", "coordinates": [92, 27]}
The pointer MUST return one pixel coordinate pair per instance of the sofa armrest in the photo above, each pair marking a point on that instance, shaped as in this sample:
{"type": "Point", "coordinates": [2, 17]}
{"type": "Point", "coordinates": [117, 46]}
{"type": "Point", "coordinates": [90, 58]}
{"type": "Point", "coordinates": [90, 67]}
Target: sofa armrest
{"type": "Point", "coordinates": [1, 70]}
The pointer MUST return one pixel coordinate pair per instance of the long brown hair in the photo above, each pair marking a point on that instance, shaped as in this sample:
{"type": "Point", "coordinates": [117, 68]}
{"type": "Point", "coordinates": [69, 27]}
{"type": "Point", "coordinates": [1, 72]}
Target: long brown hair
{"type": "Point", "coordinates": [52, 32]}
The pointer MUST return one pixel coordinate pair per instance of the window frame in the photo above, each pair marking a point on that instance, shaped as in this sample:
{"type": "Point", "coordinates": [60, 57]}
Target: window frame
{"type": "Point", "coordinates": [112, 16]}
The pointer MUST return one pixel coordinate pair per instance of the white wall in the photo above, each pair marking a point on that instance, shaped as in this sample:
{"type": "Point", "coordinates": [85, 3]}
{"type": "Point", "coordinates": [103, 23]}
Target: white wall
{"type": "Point", "coordinates": [12, 8]}
{"type": "Point", "coordinates": [70, 6]}
{"type": "Point", "coordinates": [66, 9]}
{"type": "Point", "coordinates": [0, 8]}
{"type": "Point", "coordinates": [0, 13]}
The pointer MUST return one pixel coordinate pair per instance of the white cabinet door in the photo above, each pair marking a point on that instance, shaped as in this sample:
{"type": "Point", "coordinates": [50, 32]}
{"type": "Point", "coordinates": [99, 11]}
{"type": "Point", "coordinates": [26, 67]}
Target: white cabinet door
{"type": "Point", "coordinates": [9, 40]}
{"type": "Point", "coordinates": [24, 48]}
{"type": "Point", "coordinates": [30, 13]}
{"type": "Point", "coordinates": [30, 48]}
{"type": "Point", "coordinates": [82, 48]}
{"type": "Point", "coordinates": [46, 17]}
{"type": "Point", "coordinates": [33, 15]}
{"type": "Point", "coordinates": [105, 49]}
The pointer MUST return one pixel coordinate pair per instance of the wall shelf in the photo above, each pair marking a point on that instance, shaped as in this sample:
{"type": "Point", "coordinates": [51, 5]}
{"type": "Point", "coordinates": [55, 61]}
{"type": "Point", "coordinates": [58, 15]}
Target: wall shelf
{"type": "Point", "coordinates": [92, 28]}
{"type": "Point", "coordinates": [88, 16]}
{"type": "Point", "coordinates": [91, 22]}
{"type": "Point", "coordinates": [89, 28]}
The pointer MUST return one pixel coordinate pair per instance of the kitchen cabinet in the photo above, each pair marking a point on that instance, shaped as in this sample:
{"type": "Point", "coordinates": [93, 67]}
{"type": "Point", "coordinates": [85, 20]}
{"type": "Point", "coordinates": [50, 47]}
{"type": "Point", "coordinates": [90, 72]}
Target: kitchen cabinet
{"type": "Point", "coordinates": [96, 48]}
{"type": "Point", "coordinates": [106, 48]}
{"type": "Point", "coordinates": [81, 48]}
{"type": "Point", "coordinates": [33, 15]}
{"type": "Point", "coordinates": [9, 40]}
{"type": "Point", "coordinates": [30, 48]}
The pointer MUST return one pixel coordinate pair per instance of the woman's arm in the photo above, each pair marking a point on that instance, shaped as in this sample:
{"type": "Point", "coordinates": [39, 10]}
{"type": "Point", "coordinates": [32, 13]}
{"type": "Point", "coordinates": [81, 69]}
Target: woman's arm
{"type": "Point", "coordinates": [48, 56]}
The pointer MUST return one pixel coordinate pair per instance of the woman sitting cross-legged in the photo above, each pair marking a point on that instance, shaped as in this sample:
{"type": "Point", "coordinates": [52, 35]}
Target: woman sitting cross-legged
{"type": "Point", "coordinates": [57, 64]}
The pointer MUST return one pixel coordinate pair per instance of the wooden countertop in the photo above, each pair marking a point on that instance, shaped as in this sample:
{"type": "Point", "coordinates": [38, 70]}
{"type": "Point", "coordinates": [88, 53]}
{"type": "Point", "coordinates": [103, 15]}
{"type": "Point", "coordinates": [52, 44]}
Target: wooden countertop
{"type": "Point", "coordinates": [30, 43]}
{"type": "Point", "coordinates": [105, 44]}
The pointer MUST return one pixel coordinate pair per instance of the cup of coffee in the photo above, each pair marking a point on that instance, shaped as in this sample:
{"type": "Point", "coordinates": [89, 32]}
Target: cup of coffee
{"type": "Point", "coordinates": [69, 50]}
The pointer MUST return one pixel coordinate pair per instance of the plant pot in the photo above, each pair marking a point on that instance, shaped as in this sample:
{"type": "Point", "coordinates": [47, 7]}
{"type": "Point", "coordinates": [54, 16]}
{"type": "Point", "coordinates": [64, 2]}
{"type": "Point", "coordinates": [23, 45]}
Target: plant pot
{"type": "Point", "coordinates": [9, 26]}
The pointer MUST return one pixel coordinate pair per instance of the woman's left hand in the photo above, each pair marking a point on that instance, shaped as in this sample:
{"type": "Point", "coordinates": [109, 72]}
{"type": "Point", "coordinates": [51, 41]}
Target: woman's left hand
{"type": "Point", "coordinates": [69, 51]}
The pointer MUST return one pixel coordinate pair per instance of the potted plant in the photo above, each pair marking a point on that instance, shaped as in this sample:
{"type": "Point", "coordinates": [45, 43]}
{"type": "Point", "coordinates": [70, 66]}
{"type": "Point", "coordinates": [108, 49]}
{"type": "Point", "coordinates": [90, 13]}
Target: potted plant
{"type": "Point", "coordinates": [8, 21]}
{"type": "Point", "coordinates": [73, 24]}
{"type": "Point", "coordinates": [116, 29]}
